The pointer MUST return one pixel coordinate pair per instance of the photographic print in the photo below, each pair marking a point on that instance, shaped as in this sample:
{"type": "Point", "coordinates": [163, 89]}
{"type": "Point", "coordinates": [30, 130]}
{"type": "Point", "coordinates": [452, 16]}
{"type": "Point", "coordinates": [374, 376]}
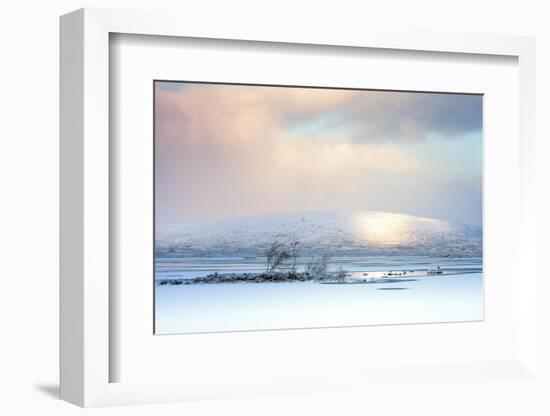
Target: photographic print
{"type": "Point", "coordinates": [285, 207]}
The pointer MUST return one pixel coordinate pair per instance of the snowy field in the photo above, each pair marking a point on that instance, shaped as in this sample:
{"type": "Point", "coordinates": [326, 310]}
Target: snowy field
{"type": "Point", "coordinates": [455, 296]}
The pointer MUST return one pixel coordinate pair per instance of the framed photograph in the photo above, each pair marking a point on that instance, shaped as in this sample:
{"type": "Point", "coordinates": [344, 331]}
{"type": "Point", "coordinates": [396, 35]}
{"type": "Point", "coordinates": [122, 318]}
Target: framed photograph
{"type": "Point", "coordinates": [280, 207]}
{"type": "Point", "coordinates": [255, 212]}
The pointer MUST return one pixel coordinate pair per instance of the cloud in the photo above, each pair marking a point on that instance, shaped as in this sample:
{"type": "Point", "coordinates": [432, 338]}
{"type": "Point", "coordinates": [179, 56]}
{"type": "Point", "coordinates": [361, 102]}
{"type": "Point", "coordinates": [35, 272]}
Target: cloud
{"type": "Point", "coordinates": [226, 150]}
{"type": "Point", "coordinates": [169, 86]}
{"type": "Point", "coordinates": [408, 117]}
{"type": "Point", "coordinates": [365, 116]}
{"type": "Point", "coordinates": [402, 117]}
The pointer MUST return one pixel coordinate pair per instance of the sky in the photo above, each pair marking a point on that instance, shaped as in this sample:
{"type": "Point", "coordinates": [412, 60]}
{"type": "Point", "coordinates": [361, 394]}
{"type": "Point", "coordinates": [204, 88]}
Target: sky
{"type": "Point", "coordinates": [235, 150]}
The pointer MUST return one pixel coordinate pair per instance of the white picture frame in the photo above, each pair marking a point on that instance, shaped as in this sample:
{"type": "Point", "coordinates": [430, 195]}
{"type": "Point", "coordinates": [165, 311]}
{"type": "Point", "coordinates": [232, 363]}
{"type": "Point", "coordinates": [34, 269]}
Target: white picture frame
{"type": "Point", "coordinates": [86, 304]}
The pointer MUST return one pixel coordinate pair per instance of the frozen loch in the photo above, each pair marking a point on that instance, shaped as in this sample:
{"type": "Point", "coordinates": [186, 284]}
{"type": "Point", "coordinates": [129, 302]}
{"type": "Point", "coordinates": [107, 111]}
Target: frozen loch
{"type": "Point", "coordinates": [452, 297]}
{"type": "Point", "coordinates": [375, 269]}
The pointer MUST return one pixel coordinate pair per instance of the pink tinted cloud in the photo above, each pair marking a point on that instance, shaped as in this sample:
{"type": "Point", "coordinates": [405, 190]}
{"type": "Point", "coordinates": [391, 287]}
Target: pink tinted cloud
{"type": "Point", "coordinates": [225, 150]}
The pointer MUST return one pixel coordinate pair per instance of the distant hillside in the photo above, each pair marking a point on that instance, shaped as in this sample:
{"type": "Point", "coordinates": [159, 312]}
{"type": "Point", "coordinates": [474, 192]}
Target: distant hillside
{"type": "Point", "coordinates": [361, 232]}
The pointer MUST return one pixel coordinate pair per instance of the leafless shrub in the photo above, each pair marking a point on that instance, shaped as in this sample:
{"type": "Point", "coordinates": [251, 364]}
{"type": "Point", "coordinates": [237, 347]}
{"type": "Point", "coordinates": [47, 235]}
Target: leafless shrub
{"type": "Point", "coordinates": [340, 274]}
{"type": "Point", "coordinates": [293, 252]}
{"type": "Point", "coordinates": [317, 267]}
{"type": "Point", "coordinates": [278, 256]}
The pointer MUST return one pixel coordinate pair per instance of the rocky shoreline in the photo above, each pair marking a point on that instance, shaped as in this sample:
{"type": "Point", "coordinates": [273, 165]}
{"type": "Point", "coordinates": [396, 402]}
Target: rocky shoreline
{"type": "Point", "coordinates": [252, 278]}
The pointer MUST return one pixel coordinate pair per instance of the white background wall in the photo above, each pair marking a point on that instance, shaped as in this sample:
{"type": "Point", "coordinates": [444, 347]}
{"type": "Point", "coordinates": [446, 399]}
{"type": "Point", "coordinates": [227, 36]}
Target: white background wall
{"type": "Point", "coordinates": [29, 207]}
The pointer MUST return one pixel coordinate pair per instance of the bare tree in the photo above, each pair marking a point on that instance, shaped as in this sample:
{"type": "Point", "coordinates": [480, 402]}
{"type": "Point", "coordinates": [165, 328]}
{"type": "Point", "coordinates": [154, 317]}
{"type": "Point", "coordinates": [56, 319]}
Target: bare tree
{"type": "Point", "coordinates": [317, 267]}
{"type": "Point", "coordinates": [276, 256]}
{"type": "Point", "coordinates": [271, 255]}
{"type": "Point", "coordinates": [293, 251]}
{"type": "Point", "coordinates": [340, 274]}
{"type": "Point", "coordinates": [280, 260]}
{"type": "Point", "coordinates": [279, 256]}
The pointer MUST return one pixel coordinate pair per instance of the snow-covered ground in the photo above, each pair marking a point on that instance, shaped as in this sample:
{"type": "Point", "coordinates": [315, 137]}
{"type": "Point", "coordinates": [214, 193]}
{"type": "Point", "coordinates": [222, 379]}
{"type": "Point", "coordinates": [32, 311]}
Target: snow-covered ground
{"type": "Point", "coordinates": [249, 306]}
{"type": "Point", "coordinates": [366, 244]}
{"type": "Point", "coordinates": [327, 232]}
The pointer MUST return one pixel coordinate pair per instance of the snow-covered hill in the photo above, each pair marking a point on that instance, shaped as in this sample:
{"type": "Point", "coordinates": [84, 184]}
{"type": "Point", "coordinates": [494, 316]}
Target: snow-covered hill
{"type": "Point", "coordinates": [331, 232]}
